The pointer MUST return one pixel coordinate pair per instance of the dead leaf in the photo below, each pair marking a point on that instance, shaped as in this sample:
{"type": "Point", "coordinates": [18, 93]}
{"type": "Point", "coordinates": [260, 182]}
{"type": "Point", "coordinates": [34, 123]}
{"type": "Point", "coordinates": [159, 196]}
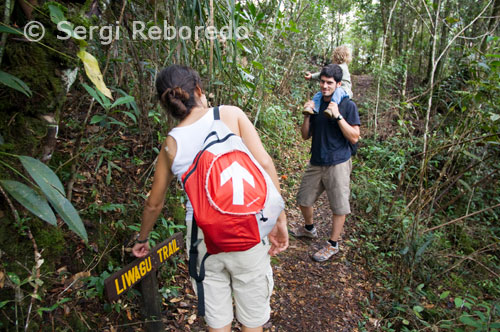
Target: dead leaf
{"type": "Point", "coordinates": [2, 279]}
{"type": "Point", "coordinates": [129, 314]}
{"type": "Point", "coordinates": [191, 319]}
{"type": "Point", "coordinates": [62, 269]}
{"type": "Point", "coordinates": [76, 278]}
{"type": "Point", "coordinates": [67, 310]}
{"type": "Point", "coordinates": [374, 322]}
{"type": "Point", "coordinates": [94, 72]}
{"type": "Point", "coordinates": [175, 300]}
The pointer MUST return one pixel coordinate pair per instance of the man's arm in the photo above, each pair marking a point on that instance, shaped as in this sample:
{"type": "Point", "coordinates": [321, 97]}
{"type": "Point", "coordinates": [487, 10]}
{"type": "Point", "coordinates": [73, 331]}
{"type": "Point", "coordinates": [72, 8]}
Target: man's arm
{"type": "Point", "coordinates": [351, 133]}
{"type": "Point", "coordinates": [306, 125]}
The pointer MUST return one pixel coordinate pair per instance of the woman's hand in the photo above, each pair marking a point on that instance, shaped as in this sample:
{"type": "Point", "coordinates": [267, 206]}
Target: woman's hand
{"type": "Point", "coordinates": [278, 238]}
{"type": "Point", "coordinates": [308, 75]}
{"type": "Point", "coordinates": [140, 249]}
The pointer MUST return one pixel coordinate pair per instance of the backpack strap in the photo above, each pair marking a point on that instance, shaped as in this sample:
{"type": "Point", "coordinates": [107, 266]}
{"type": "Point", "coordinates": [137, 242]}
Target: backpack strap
{"type": "Point", "coordinates": [216, 113]}
{"type": "Point", "coordinates": [198, 277]}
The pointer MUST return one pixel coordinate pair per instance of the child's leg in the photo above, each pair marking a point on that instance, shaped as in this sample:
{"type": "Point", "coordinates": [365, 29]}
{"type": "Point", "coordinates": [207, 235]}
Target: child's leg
{"type": "Point", "coordinates": [337, 97]}
{"type": "Point", "coordinates": [317, 101]}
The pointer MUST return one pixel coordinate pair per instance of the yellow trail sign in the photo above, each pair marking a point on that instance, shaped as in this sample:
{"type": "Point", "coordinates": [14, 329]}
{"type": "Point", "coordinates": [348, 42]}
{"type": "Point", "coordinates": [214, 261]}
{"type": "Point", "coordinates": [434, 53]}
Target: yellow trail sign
{"type": "Point", "coordinates": [123, 280]}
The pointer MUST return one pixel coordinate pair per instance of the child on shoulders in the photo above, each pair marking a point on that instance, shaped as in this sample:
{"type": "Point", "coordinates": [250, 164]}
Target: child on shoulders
{"type": "Point", "coordinates": [341, 56]}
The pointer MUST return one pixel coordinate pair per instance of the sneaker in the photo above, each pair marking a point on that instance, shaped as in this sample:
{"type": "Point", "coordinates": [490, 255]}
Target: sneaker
{"type": "Point", "coordinates": [328, 112]}
{"type": "Point", "coordinates": [326, 252]}
{"type": "Point", "coordinates": [308, 111]}
{"type": "Point", "coordinates": [303, 232]}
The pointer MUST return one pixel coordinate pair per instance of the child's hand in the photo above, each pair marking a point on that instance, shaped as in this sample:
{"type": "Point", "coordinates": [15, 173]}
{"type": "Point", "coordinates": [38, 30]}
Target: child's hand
{"type": "Point", "coordinates": [308, 75]}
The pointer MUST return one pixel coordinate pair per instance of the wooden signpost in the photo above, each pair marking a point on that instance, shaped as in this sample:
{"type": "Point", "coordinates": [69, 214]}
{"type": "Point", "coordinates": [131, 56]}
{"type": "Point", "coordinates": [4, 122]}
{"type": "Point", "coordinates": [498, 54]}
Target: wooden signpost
{"type": "Point", "coordinates": [141, 271]}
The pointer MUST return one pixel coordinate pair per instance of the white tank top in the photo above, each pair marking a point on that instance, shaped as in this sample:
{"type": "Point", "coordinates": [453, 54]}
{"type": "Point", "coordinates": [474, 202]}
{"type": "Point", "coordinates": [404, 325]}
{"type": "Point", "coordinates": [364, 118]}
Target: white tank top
{"type": "Point", "coordinates": [189, 141]}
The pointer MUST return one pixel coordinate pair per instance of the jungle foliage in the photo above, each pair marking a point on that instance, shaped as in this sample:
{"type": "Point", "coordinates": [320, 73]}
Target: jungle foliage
{"type": "Point", "coordinates": [426, 174]}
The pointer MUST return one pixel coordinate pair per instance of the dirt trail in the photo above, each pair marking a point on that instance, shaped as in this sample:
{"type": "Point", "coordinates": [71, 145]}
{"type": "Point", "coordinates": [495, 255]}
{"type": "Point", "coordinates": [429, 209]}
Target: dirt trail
{"type": "Point", "coordinates": [308, 296]}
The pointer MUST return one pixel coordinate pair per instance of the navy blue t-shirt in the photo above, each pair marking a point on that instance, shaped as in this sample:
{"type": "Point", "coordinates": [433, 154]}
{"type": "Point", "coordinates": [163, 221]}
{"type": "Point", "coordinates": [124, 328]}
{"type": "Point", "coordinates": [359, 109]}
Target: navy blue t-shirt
{"type": "Point", "coordinates": [329, 146]}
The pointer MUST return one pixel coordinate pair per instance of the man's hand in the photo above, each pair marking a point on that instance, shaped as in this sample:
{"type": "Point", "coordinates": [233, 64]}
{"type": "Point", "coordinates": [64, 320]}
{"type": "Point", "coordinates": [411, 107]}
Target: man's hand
{"type": "Point", "coordinates": [278, 238]}
{"type": "Point", "coordinates": [308, 75]}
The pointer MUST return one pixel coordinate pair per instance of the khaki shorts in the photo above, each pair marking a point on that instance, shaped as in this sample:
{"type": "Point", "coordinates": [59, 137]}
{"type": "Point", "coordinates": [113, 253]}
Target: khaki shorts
{"type": "Point", "coordinates": [334, 179]}
{"type": "Point", "coordinates": [245, 275]}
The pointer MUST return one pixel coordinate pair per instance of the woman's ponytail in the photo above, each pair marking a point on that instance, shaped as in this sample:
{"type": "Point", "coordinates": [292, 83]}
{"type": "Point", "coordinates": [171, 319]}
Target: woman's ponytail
{"type": "Point", "coordinates": [175, 86]}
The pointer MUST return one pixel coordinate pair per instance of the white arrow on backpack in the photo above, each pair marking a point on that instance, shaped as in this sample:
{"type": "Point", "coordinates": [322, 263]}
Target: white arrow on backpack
{"type": "Point", "coordinates": [238, 173]}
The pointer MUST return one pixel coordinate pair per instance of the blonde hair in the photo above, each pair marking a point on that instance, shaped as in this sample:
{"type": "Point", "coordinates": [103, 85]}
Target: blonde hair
{"type": "Point", "coordinates": [341, 54]}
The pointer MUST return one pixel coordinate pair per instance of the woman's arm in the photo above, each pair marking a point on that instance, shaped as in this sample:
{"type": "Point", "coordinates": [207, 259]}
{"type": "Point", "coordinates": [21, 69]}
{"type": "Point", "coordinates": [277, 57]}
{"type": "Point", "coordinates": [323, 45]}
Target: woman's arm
{"type": "Point", "coordinates": [154, 204]}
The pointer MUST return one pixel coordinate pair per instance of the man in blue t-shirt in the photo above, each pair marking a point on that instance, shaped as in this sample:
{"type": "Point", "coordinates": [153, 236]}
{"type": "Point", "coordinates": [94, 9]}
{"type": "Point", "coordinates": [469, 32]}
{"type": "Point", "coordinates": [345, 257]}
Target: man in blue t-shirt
{"type": "Point", "coordinates": [334, 131]}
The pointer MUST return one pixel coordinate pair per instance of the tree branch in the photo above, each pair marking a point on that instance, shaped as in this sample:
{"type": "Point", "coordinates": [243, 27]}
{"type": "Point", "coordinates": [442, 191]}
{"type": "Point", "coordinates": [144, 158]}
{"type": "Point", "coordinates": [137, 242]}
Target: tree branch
{"type": "Point", "coordinates": [461, 218]}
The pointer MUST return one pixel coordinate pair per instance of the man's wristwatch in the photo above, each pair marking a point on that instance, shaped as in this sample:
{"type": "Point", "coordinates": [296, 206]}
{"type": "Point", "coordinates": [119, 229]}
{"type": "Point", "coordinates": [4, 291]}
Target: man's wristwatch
{"type": "Point", "coordinates": [140, 241]}
{"type": "Point", "coordinates": [340, 117]}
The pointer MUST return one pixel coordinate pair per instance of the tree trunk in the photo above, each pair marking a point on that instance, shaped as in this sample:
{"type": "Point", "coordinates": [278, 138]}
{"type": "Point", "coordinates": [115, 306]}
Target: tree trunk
{"type": "Point", "coordinates": [443, 40]}
{"type": "Point", "coordinates": [495, 13]}
{"type": "Point", "coordinates": [432, 42]}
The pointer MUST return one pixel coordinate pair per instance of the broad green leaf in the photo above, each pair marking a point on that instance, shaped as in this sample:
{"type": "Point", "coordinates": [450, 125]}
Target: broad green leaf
{"type": "Point", "coordinates": [66, 210]}
{"type": "Point", "coordinates": [465, 184]}
{"type": "Point", "coordinates": [94, 72]}
{"type": "Point", "coordinates": [3, 303]}
{"type": "Point", "coordinates": [97, 118]}
{"type": "Point", "coordinates": [418, 308]}
{"type": "Point", "coordinates": [41, 173]}
{"type": "Point", "coordinates": [54, 191]}
{"type": "Point", "coordinates": [114, 121]}
{"type": "Point", "coordinates": [484, 66]}
{"type": "Point", "coordinates": [444, 295]}
{"type": "Point", "coordinates": [452, 20]}
{"type": "Point", "coordinates": [56, 14]}
{"type": "Point", "coordinates": [404, 251]}
{"type": "Point", "coordinates": [105, 100]}
{"type": "Point", "coordinates": [243, 47]}
{"type": "Point", "coordinates": [458, 302]}
{"type": "Point", "coordinates": [93, 93]}
{"type": "Point", "coordinates": [467, 320]}
{"type": "Point", "coordinates": [472, 155]}
{"type": "Point", "coordinates": [14, 83]}
{"type": "Point", "coordinates": [422, 249]}
{"type": "Point", "coordinates": [122, 100]}
{"type": "Point", "coordinates": [257, 65]}
{"type": "Point", "coordinates": [14, 278]}
{"type": "Point", "coordinates": [7, 29]}
{"type": "Point", "coordinates": [30, 200]}
{"type": "Point", "coordinates": [130, 115]}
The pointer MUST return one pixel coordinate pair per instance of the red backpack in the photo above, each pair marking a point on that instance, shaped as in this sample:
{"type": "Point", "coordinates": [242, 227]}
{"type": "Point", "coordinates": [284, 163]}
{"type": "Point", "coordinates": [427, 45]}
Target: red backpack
{"type": "Point", "coordinates": [234, 200]}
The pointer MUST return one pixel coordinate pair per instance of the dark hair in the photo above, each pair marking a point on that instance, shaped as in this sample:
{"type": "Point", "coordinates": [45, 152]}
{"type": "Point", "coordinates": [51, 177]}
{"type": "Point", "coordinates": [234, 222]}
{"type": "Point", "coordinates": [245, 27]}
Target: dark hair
{"type": "Point", "coordinates": [175, 86]}
{"type": "Point", "coordinates": [332, 70]}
